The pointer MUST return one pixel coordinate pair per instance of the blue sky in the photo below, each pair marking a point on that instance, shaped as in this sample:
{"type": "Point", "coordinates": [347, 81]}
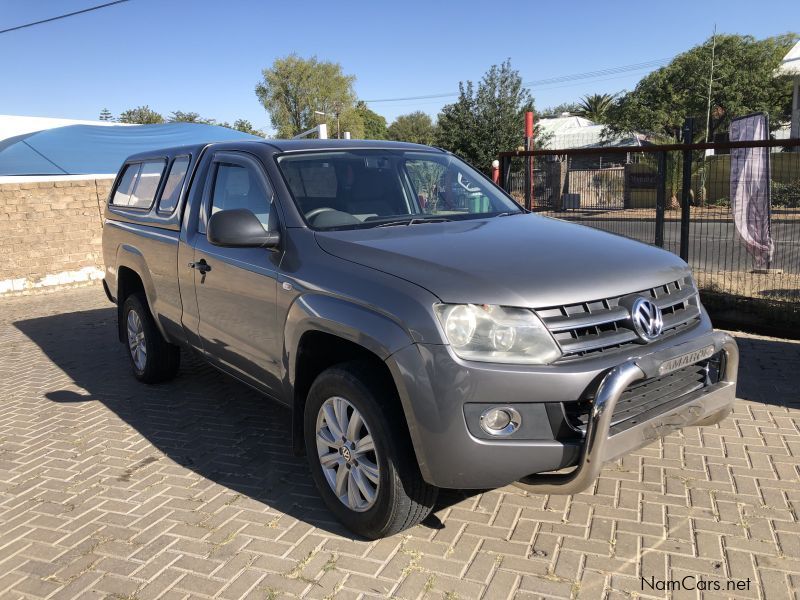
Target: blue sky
{"type": "Point", "coordinates": [205, 56]}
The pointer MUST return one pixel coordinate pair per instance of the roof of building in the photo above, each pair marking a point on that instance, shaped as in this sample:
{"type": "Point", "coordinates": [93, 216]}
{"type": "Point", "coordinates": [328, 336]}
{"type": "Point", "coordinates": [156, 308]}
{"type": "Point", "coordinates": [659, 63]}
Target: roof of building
{"type": "Point", "coordinates": [14, 125]}
{"type": "Point", "coordinates": [99, 148]}
{"type": "Point", "coordinates": [790, 65]}
{"type": "Point", "coordinates": [570, 131]}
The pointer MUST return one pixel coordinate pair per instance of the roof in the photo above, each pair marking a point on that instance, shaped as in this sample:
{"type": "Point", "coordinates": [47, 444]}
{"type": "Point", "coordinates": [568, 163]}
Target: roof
{"type": "Point", "coordinates": [790, 65]}
{"type": "Point", "coordinates": [100, 149]}
{"type": "Point", "coordinates": [578, 132]}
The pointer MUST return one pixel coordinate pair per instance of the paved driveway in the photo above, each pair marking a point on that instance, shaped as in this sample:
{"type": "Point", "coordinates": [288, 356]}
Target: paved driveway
{"type": "Point", "coordinates": [110, 489]}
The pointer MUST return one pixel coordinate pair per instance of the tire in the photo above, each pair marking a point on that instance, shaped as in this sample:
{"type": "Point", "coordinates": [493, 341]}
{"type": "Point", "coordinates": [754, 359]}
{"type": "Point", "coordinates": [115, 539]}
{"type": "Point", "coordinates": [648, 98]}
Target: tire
{"type": "Point", "coordinates": [153, 359]}
{"type": "Point", "coordinates": [401, 497]}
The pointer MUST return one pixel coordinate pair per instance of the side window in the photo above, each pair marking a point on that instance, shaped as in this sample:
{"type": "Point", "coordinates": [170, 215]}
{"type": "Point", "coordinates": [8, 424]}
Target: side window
{"type": "Point", "coordinates": [173, 185]}
{"type": "Point", "coordinates": [239, 186]}
{"type": "Point", "coordinates": [139, 183]}
{"type": "Point", "coordinates": [122, 195]}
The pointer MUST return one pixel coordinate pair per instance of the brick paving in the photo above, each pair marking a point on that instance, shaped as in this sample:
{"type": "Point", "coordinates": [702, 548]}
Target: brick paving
{"type": "Point", "coordinates": [111, 489]}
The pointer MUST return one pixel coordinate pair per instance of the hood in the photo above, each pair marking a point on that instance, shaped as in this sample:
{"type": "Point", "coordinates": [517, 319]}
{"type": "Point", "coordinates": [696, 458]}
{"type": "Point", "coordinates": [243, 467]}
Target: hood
{"type": "Point", "coordinates": [522, 260]}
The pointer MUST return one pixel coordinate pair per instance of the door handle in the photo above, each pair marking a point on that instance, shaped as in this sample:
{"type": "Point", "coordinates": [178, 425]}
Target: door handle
{"type": "Point", "coordinates": [201, 266]}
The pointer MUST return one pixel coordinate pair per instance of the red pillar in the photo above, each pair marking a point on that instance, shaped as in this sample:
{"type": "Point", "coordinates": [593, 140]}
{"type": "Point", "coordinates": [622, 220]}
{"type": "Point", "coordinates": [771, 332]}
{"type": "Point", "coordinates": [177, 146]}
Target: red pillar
{"type": "Point", "coordinates": [529, 160]}
{"type": "Point", "coordinates": [496, 171]}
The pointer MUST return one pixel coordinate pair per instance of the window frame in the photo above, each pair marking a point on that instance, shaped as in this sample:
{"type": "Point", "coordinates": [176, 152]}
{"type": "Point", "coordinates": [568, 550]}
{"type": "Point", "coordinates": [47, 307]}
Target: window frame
{"type": "Point", "coordinates": [241, 159]}
{"type": "Point", "coordinates": [181, 189]}
{"type": "Point", "coordinates": [156, 196]}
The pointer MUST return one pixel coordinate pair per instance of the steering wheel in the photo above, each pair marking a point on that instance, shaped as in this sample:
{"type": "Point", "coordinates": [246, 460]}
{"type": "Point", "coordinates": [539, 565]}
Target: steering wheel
{"type": "Point", "coordinates": [313, 213]}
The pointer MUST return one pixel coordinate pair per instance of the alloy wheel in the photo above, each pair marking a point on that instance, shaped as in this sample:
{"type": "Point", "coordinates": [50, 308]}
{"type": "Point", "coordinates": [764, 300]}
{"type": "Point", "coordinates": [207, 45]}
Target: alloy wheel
{"type": "Point", "coordinates": [347, 454]}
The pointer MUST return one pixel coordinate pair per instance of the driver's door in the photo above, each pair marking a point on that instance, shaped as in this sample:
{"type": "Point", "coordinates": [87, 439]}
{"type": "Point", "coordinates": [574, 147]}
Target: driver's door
{"type": "Point", "coordinates": [236, 287]}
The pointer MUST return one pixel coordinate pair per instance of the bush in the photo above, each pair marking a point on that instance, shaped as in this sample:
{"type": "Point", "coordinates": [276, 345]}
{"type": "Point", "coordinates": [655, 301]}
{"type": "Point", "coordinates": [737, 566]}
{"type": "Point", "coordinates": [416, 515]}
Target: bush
{"type": "Point", "coordinates": [786, 195]}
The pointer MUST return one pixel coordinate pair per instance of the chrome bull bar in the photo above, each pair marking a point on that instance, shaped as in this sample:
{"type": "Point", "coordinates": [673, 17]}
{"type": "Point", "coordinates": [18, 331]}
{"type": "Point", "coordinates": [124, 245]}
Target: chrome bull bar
{"type": "Point", "coordinates": [704, 407]}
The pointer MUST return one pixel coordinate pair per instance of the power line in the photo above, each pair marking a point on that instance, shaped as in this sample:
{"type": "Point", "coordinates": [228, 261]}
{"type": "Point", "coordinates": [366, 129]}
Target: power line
{"type": "Point", "coordinates": [546, 82]}
{"type": "Point", "coordinates": [64, 16]}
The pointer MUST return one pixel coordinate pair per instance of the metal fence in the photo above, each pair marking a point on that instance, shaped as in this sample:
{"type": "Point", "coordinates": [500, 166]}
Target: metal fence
{"type": "Point", "coordinates": [678, 197]}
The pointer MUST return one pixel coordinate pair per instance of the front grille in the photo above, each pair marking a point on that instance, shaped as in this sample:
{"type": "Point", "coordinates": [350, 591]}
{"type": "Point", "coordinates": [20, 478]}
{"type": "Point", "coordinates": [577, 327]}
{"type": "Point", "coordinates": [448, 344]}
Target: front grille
{"type": "Point", "coordinates": [603, 325]}
{"type": "Point", "coordinates": [651, 396]}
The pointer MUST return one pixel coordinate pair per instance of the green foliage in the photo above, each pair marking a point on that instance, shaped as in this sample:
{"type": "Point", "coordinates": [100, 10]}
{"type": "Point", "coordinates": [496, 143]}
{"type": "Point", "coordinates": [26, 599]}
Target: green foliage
{"type": "Point", "coordinates": [596, 107]}
{"type": "Point", "coordinates": [374, 124]}
{"type": "Point", "coordinates": [786, 195]}
{"type": "Point", "coordinates": [247, 127]}
{"type": "Point", "coordinates": [486, 120]}
{"type": "Point", "coordinates": [141, 115]}
{"type": "Point", "coordinates": [105, 115]}
{"type": "Point", "coordinates": [556, 111]}
{"type": "Point", "coordinates": [189, 117]}
{"type": "Point", "coordinates": [294, 87]}
{"type": "Point", "coordinates": [416, 127]}
{"type": "Point", "coordinates": [743, 83]}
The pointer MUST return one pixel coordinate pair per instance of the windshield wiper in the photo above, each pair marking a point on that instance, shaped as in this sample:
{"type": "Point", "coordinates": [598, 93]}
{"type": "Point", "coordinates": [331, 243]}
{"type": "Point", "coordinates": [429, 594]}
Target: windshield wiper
{"type": "Point", "coordinates": [414, 221]}
{"type": "Point", "coordinates": [509, 213]}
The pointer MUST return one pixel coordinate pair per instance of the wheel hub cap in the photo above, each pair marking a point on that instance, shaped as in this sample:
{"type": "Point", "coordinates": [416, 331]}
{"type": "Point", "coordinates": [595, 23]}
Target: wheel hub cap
{"type": "Point", "coordinates": [136, 341]}
{"type": "Point", "coordinates": [347, 454]}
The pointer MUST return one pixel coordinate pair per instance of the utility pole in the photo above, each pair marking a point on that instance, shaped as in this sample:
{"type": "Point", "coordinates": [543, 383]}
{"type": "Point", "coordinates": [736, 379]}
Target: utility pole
{"type": "Point", "coordinates": [710, 83]}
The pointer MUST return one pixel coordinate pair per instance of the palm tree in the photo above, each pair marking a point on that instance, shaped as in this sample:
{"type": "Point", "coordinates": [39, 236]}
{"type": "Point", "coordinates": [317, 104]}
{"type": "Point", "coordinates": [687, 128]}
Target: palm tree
{"type": "Point", "coordinates": [596, 107]}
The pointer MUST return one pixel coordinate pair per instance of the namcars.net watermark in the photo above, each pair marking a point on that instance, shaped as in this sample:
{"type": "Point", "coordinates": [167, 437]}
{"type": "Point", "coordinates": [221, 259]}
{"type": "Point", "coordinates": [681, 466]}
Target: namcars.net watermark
{"type": "Point", "coordinates": [693, 582]}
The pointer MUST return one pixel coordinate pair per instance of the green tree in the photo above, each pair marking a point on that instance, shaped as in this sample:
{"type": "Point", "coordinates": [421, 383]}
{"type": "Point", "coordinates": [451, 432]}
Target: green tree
{"type": "Point", "coordinates": [141, 115]}
{"type": "Point", "coordinates": [293, 88]}
{"type": "Point", "coordinates": [557, 110]}
{"type": "Point", "coordinates": [416, 127]}
{"type": "Point", "coordinates": [247, 127]}
{"type": "Point", "coordinates": [743, 83]}
{"type": "Point", "coordinates": [487, 120]}
{"type": "Point", "coordinates": [179, 116]}
{"type": "Point", "coordinates": [105, 115]}
{"type": "Point", "coordinates": [596, 107]}
{"type": "Point", "coordinates": [374, 124]}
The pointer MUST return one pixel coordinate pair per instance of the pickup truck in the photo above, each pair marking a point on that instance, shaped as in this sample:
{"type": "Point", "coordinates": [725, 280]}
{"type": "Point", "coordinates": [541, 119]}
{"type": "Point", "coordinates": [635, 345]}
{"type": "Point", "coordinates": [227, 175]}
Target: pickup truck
{"type": "Point", "coordinates": [425, 331]}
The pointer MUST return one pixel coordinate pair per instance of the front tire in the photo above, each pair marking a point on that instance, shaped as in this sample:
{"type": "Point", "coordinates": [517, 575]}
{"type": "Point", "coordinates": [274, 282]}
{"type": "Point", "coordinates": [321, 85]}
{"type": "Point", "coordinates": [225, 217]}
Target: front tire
{"type": "Point", "coordinates": [153, 359]}
{"type": "Point", "coordinates": [360, 453]}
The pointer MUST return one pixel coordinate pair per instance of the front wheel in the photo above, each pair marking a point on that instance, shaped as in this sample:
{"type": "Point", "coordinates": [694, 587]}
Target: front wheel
{"type": "Point", "coordinates": [363, 463]}
{"type": "Point", "coordinates": [153, 359]}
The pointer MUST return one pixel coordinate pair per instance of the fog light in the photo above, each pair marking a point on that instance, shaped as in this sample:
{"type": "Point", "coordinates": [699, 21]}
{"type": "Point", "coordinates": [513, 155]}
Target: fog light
{"type": "Point", "coordinates": [500, 420]}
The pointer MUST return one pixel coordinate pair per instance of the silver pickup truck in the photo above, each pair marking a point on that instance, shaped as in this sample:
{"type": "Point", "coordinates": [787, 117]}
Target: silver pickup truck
{"type": "Point", "coordinates": [424, 330]}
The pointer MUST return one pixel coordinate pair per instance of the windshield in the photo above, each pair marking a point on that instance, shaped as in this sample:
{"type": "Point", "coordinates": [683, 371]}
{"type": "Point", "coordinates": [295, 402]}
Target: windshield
{"type": "Point", "coordinates": [349, 189]}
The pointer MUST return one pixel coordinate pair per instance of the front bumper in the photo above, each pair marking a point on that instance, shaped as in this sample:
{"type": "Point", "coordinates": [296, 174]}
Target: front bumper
{"type": "Point", "coordinates": [705, 406]}
{"type": "Point", "coordinates": [435, 387]}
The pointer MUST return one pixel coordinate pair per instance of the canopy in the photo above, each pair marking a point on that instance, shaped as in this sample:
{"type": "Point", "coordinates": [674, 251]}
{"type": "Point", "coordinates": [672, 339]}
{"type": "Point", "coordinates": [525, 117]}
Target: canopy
{"type": "Point", "coordinates": [97, 149]}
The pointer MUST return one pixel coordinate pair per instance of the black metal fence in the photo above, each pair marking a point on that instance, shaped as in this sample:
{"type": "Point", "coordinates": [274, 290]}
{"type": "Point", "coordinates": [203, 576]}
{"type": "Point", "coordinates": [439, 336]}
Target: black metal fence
{"type": "Point", "coordinates": [679, 197]}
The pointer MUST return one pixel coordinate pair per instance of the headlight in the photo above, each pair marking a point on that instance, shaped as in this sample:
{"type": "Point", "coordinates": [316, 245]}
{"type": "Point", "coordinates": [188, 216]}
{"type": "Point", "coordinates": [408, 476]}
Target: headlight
{"type": "Point", "coordinates": [497, 334]}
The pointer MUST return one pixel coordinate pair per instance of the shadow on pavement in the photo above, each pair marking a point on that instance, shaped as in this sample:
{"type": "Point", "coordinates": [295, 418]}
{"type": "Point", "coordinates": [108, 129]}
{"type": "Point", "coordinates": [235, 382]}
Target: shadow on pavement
{"type": "Point", "coordinates": [202, 420]}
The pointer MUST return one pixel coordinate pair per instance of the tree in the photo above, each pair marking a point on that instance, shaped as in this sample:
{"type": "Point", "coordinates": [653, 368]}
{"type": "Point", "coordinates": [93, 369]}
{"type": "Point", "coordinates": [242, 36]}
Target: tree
{"type": "Point", "coordinates": [179, 116]}
{"type": "Point", "coordinates": [488, 120]}
{"type": "Point", "coordinates": [247, 127]}
{"type": "Point", "coordinates": [294, 88]}
{"type": "Point", "coordinates": [596, 107]}
{"type": "Point", "coordinates": [556, 111]}
{"type": "Point", "coordinates": [416, 127]}
{"type": "Point", "coordinates": [141, 115]}
{"type": "Point", "coordinates": [105, 115]}
{"type": "Point", "coordinates": [743, 83]}
{"type": "Point", "coordinates": [374, 124]}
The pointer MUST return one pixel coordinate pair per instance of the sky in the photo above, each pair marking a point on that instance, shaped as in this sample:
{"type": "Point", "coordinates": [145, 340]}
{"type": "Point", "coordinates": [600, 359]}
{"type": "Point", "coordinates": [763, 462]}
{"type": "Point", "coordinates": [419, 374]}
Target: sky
{"type": "Point", "coordinates": [206, 56]}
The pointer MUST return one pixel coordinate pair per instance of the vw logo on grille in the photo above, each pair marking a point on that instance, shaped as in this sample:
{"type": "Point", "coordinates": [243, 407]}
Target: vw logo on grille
{"type": "Point", "coordinates": [647, 319]}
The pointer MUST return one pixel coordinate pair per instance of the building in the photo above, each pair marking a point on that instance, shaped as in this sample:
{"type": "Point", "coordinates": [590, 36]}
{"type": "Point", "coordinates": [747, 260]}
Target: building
{"type": "Point", "coordinates": [790, 65]}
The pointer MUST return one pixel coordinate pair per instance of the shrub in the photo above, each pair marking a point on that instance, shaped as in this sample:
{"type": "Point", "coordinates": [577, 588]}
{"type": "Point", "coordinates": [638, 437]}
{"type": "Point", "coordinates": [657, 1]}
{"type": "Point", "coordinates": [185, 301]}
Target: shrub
{"type": "Point", "coordinates": [786, 195]}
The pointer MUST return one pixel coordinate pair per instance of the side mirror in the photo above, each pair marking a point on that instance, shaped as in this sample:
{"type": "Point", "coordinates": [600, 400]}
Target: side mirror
{"type": "Point", "coordinates": [239, 228]}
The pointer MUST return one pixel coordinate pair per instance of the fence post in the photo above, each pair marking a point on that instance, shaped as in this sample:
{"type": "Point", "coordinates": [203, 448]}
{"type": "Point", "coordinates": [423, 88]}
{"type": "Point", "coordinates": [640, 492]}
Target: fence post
{"type": "Point", "coordinates": [688, 133]}
{"type": "Point", "coordinates": [661, 198]}
{"type": "Point", "coordinates": [528, 160]}
{"type": "Point", "coordinates": [505, 173]}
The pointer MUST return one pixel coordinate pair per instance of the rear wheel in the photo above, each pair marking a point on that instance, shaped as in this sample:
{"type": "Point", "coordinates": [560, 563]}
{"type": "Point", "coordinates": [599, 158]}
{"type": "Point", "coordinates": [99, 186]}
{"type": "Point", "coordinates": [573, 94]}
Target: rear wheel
{"type": "Point", "coordinates": [362, 462]}
{"type": "Point", "coordinates": [153, 359]}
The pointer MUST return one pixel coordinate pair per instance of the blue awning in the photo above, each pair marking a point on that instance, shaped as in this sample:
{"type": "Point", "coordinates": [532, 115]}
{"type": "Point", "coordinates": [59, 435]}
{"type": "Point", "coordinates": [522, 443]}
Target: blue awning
{"type": "Point", "coordinates": [97, 149]}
